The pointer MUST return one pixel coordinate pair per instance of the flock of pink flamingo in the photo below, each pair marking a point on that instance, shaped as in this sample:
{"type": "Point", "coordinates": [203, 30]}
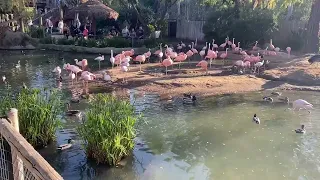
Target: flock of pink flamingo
{"type": "Point", "coordinates": [208, 53]}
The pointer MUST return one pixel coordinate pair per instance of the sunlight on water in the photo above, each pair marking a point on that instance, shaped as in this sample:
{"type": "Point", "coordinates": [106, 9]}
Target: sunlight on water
{"type": "Point", "coordinates": [215, 139]}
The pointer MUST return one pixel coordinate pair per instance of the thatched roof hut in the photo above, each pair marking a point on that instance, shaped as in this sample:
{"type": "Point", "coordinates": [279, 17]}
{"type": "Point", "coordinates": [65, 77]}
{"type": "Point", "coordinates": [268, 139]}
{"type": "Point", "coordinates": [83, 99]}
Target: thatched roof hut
{"type": "Point", "coordinates": [93, 9]}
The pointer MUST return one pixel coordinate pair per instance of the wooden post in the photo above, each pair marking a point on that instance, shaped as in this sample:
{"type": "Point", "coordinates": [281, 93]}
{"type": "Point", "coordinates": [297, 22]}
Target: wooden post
{"type": "Point", "coordinates": [17, 163]}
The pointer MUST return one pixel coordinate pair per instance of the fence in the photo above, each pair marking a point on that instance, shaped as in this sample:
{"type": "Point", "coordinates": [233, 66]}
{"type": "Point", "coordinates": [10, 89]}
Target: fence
{"type": "Point", "coordinates": [190, 29]}
{"type": "Point", "coordinates": [18, 159]}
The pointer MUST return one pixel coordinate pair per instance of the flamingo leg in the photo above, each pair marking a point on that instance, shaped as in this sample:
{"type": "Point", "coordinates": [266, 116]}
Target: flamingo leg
{"type": "Point", "coordinates": [99, 65]}
{"type": "Point", "coordinates": [166, 70]}
{"type": "Point", "coordinates": [210, 63]}
{"type": "Point", "coordinates": [140, 67]}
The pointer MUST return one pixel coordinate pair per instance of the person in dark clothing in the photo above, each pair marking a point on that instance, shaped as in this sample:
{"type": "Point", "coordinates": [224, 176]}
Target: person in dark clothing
{"type": "Point", "coordinates": [140, 33]}
{"type": "Point", "coordinates": [113, 31]}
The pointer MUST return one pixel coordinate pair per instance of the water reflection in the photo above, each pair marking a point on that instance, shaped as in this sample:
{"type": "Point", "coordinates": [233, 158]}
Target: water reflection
{"type": "Point", "coordinates": [215, 139]}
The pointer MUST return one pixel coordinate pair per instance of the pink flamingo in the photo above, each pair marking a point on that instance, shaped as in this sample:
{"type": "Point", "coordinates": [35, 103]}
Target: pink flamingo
{"type": "Point", "coordinates": [229, 42]}
{"type": "Point", "coordinates": [255, 47]}
{"type": "Point", "coordinates": [204, 65]}
{"type": "Point", "coordinates": [119, 58]}
{"type": "Point", "coordinates": [189, 54]}
{"type": "Point", "coordinates": [159, 53]}
{"type": "Point", "coordinates": [181, 57]}
{"type": "Point", "coordinates": [167, 62]}
{"type": "Point", "coordinates": [214, 46]}
{"type": "Point", "coordinates": [288, 50]}
{"type": "Point", "coordinates": [277, 49]}
{"type": "Point", "coordinates": [82, 63]}
{"type": "Point", "coordinates": [211, 55]}
{"type": "Point", "coordinates": [237, 49]}
{"type": "Point", "coordinates": [129, 53]}
{"type": "Point", "coordinates": [233, 46]}
{"type": "Point", "coordinates": [86, 77]}
{"type": "Point", "coordinates": [271, 45]}
{"type": "Point", "coordinates": [195, 51]}
{"type": "Point", "coordinates": [148, 54]}
{"type": "Point", "coordinates": [224, 44]}
{"type": "Point", "coordinates": [224, 55]}
{"type": "Point", "coordinates": [140, 59]}
{"type": "Point", "coordinates": [243, 52]}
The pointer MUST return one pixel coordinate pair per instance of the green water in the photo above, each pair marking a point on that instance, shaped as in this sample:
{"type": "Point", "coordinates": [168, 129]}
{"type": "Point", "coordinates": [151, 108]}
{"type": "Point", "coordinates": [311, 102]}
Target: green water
{"type": "Point", "coordinates": [215, 139]}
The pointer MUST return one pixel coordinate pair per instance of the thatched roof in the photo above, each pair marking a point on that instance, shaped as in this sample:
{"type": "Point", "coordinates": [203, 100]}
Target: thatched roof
{"type": "Point", "coordinates": [92, 9]}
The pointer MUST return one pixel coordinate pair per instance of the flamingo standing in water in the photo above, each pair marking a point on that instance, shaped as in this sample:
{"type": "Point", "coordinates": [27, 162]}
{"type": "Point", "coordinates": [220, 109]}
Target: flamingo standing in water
{"type": "Point", "coordinates": [189, 54]}
{"type": "Point", "coordinates": [83, 64]}
{"type": "Point", "coordinates": [167, 62]}
{"type": "Point", "coordinates": [124, 69]}
{"type": "Point", "coordinates": [255, 47]}
{"type": "Point", "coordinates": [57, 70]}
{"type": "Point", "coordinates": [237, 49]}
{"type": "Point", "coordinates": [211, 55]}
{"type": "Point", "coordinates": [140, 59]}
{"type": "Point", "coordinates": [271, 46]}
{"type": "Point", "coordinates": [99, 59]}
{"type": "Point", "coordinates": [223, 45]}
{"type": "Point", "coordinates": [112, 59]}
{"type": "Point", "coordinates": [204, 65]}
{"type": "Point", "coordinates": [289, 51]}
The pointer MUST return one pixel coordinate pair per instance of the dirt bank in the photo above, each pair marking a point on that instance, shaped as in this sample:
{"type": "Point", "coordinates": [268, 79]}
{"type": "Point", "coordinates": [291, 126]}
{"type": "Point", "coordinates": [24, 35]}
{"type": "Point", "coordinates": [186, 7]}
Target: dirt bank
{"type": "Point", "coordinates": [286, 71]}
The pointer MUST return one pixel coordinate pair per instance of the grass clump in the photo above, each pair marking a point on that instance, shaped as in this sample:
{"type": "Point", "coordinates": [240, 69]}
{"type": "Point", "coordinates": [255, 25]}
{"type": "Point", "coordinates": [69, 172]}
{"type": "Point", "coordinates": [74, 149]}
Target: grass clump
{"type": "Point", "coordinates": [38, 111]}
{"type": "Point", "coordinates": [108, 130]}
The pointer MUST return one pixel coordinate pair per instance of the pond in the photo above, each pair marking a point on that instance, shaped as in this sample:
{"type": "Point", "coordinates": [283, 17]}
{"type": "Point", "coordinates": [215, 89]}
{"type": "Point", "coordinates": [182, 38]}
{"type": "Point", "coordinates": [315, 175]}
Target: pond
{"type": "Point", "coordinates": [214, 139]}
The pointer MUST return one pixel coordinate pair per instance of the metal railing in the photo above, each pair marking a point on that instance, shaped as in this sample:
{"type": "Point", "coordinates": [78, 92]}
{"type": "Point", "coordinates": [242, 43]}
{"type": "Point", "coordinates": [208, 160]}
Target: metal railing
{"type": "Point", "coordinates": [18, 159]}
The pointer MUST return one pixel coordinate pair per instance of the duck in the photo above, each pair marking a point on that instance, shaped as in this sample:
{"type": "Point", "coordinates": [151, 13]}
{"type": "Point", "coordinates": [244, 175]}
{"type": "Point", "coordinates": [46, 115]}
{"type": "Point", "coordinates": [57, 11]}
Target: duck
{"type": "Point", "coordinates": [276, 93]}
{"type": "Point", "coordinates": [301, 131]}
{"type": "Point", "coordinates": [72, 112]}
{"type": "Point", "coordinates": [268, 99]}
{"type": "Point", "coordinates": [189, 99]}
{"type": "Point", "coordinates": [256, 119]}
{"type": "Point", "coordinates": [65, 146]}
{"type": "Point", "coordinates": [286, 100]}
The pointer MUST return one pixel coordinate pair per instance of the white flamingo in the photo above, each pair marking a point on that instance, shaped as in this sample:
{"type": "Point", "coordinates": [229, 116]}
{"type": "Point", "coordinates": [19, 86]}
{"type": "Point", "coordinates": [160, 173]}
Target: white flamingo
{"type": "Point", "coordinates": [57, 70]}
{"type": "Point", "coordinates": [258, 65]}
{"type": "Point", "coordinates": [99, 59]}
{"type": "Point", "coordinates": [72, 76]}
{"type": "Point", "coordinates": [112, 59]}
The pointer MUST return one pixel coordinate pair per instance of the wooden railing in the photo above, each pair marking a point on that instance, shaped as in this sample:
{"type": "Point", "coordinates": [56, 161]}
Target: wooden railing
{"type": "Point", "coordinates": [18, 159]}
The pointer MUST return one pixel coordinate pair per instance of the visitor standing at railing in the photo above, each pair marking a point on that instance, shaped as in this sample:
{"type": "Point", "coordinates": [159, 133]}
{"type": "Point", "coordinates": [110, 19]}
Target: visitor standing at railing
{"type": "Point", "coordinates": [49, 26]}
{"type": "Point", "coordinates": [140, 33]}
{"type": "Point", "coordinates": [60, 26]}
{"type": "Point", "coordinates": [125, 32]}
{"type": "Point", "coordinates": [85, 33]}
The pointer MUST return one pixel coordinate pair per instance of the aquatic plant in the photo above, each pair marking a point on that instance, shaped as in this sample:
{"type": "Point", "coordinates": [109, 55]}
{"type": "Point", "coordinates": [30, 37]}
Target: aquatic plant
{"type": "Point", "coordinates": [108, 129]}
{"type": "Point", "coordinates": [38, 112]}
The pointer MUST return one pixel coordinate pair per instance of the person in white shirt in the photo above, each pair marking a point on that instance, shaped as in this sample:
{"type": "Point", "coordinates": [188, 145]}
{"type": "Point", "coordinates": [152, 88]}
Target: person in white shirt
{"type": "Point", "coordinates": [60, 26]}
{"type": "Point", "coordinates": [125, 32]}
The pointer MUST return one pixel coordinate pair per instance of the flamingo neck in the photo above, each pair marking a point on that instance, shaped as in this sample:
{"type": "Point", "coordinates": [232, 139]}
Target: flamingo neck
{"type": "Point", "coordinates": [227, 51]}
{"type": "Point", "coordinates": [111, 53]}
{"type": "Point", "coordinates": [233, 41]}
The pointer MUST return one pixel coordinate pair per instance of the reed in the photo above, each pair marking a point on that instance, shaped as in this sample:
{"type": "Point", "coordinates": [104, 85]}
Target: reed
{"type": "Point", "coordinates": [38, 112]}
{"type": "Point", "coordinates": [108, 129]}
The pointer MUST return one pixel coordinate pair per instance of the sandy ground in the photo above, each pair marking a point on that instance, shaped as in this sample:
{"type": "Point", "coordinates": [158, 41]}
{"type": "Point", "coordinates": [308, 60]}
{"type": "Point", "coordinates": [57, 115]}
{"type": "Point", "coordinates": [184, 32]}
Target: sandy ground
{"type": "Point", "coordinates": [219, 80]}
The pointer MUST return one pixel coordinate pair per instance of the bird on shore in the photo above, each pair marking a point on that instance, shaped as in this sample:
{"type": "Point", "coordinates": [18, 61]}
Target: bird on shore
{"type": "Point", "coordinates": [276, 93]}
{"type": "Point", "coordinates": [302, 104]}
{"type": "Point", "coordinates": [301, 131]}
{"type": "Point", "coordinates": [99, 59]}
{"type": "Point", "coordinates": [65, 146]}
{"type": "Point", "coordinates": [256, 119]}
{"type": "Point", "coordinates": [314, 59]}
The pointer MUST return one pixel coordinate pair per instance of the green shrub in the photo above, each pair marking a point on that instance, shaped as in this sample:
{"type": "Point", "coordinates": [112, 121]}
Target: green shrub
{"type": "Point", "coordinates": [119, 42]}
{"type": "Point", "coordinates": [295, 41]}
{"type": "Point", "coordinates": [37, 32]}
{"type": "Point", "coordinates": [108, 130]}
{"type": "Point", "coordinates": [38, 113]}
{"type": "Point", "coordinates": [92, 43]}
{"type": "Point", "coordinates": [251, 26]}
{"type": "Point", "coordinates": [65, 41]}
{"type": "Point", "coordinates": [47, 40]}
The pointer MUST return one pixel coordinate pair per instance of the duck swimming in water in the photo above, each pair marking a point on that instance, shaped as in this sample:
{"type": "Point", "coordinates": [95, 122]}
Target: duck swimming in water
{"type": "Point", "coordinates": [65, 146]}
{"type": "Point", "coordinates": [189, 99]}
{"type": "Point", "coordinates": [301, 131]}
{"type": "Point", "coordinates": [286, 100]}
{"type": "Point", "coordinates": [276, 93]}
{"type": "Point", "coordinates": [72, 112]}
{"type": "Point", "coordinates": [256, 119]}
{"type": "Point", "coordinates": [268, 99]}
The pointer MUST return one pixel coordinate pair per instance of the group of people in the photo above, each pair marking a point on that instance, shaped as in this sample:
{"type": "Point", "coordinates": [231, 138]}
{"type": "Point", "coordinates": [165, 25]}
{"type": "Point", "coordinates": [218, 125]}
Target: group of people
{"type": "Point", "coordinates": [138, 34]}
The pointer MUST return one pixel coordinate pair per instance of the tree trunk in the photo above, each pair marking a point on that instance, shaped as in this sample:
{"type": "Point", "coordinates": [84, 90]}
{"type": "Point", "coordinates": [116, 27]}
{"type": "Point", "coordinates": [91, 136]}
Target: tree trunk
{"type": "Point", "coordinates": [237, 8]}
{"type": "Point", "coordinates": [312, 39]}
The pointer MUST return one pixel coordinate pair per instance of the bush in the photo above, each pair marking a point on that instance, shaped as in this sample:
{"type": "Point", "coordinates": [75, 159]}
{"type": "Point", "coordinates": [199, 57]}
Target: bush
{"type": "Point", "coordinates": [119, 42]}
{"type": "Point", "coordinates": [37, 32]}
{"type": "Point", "coordinates": [48, 40]}
{"type": "Point", "coordinates": [38, 113]}
{"type": "Point", "coordinates": [65, 41]}
{"type": "Point", "coordinates": [108, 130]}
{"type": "Point", "coordinates": [253, 25]}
